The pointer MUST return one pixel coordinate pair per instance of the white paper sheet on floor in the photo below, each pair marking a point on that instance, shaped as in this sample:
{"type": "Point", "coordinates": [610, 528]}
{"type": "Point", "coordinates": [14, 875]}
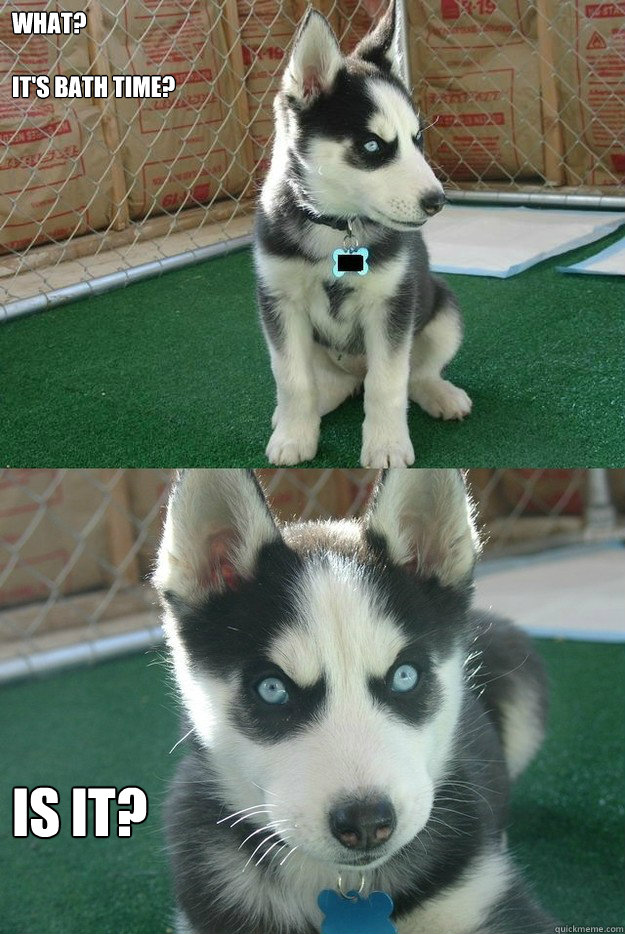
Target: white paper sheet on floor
{"type": "Point", "coordinates": [503, 241]}
{"type": "Point", "coordinates": [609, 262]}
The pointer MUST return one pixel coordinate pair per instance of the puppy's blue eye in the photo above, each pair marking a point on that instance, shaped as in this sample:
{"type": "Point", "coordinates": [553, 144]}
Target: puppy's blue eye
{"type": "Point", "coordinates": [272, 691]}
{"type": "Point", "coordinates": [404, 679]}
{"type": "Point", "coordinates": [371, 145]}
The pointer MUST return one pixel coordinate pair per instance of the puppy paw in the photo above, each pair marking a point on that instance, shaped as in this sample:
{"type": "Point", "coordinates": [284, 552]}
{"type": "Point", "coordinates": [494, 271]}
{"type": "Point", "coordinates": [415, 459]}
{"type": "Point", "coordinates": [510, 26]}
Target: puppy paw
{"type": "Point", "coordinates": [288, 447]}
{"type": "Point", "coordinates": [379, 450]}
{"type": "Point", "coordinates": [440, 398]}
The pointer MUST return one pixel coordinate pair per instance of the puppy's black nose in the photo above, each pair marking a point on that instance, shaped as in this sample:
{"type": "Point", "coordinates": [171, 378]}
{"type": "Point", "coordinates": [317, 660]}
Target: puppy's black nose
{"type": "Point", "coordinates": [432, 202]}
{"type": "Point", "coordinates": [363, 825]}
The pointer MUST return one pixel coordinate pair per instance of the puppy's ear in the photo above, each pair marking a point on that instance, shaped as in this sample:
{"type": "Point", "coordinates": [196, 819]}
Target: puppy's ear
{"type": "Point", "coordinates": [381, 45]}
{"type": "Point", "coordinates": [217, 522]}
{"type": "Point", "coordinates": [314, 61]}
{"type": "Point", "coordinates": [425, 518]}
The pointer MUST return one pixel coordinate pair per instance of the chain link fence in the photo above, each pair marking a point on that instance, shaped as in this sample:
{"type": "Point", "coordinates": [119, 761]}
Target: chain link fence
{"type": "Point", "coordinates": [77, 546]}
{"type": "Point", "coordinates": [525, 101]}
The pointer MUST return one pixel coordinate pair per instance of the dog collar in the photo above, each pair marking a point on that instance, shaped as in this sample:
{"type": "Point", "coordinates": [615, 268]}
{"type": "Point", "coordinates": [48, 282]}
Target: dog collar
{"type": "Point", "coordinates": [352, 258]}
{"type": "Point", "coordinates": [326, 220]}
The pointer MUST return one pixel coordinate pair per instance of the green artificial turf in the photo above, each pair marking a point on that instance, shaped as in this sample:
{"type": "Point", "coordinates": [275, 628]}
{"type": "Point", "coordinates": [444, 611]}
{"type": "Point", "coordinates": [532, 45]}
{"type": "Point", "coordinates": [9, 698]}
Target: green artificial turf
{"type": "Point", "coordinates": [173, 371]}
{"type": "Point", "coordinates": [115, 724]}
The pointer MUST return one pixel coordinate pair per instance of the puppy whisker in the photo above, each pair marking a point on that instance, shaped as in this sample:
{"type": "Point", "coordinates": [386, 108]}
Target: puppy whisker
{"type": "Point", "coordinates": [245, 811]}
{"type": "Point", "coordinates": [283, 861]}
{"type": "Point", "coordinates": [262, 830]}
{"type": "Point", "coordinates": [261, 844]}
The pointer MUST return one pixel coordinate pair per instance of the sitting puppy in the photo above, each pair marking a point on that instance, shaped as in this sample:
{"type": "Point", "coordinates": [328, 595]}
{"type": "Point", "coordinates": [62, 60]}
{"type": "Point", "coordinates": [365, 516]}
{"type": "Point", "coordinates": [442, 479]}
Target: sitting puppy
{"type": "Point", "coordinates": [353, 726]}
{"type": "Point", "coordinates": [344, 286]}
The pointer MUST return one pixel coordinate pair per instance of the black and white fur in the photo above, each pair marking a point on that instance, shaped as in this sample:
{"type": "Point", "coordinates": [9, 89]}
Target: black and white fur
{"type": "Point", "coordinates": [396, 328]}
{"type": "Point", "coordinates": [332, 609]}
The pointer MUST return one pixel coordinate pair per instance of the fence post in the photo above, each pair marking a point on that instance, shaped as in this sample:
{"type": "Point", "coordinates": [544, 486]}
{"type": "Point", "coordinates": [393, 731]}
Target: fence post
{"type": "Point", "coordinates": [404, 46]}
{"type": "Point", "coordinates": [600, 514]}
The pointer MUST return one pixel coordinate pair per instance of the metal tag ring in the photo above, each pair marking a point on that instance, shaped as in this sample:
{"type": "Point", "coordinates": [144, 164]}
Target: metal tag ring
{"type": "Point", "coordinates": [339, 885]}
{"type": "Point", "coordinates": [350, 242]}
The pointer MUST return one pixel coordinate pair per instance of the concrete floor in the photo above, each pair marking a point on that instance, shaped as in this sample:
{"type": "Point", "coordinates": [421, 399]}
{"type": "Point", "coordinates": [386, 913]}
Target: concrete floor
{"type": "Point", "coordinates": [575, 592]}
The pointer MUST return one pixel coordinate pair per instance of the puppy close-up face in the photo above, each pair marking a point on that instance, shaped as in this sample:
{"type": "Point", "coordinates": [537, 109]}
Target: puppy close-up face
{"type": "Point", "coordinates": [353, 131]}
{"type": "Point", "coordinates": [326, 733]}
{"type": "Point", "coordinates": [321, 664]}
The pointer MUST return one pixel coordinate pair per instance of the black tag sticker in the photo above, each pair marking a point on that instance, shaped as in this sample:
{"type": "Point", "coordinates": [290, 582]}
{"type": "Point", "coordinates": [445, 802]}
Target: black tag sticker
{"type": "Point", "coordinates": [350, 262]}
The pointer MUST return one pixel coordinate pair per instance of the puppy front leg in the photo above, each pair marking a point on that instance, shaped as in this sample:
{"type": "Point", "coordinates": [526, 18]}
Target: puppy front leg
{"type": "Point", "coordinates": [296, 418]}
{"type": "Point", "coordinates": [385, 438]}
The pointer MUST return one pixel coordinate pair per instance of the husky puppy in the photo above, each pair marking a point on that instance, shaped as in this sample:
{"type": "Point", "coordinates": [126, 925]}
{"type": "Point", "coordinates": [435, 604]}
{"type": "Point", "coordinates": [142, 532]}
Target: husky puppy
{"type": "Point", "coordinates": [348, 157]}
{"type": "Point", "coordinates": [348, 713]}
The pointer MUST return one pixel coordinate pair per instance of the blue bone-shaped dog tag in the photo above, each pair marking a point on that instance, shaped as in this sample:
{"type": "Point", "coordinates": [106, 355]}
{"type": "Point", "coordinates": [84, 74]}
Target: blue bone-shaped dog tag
{"type": "Point", "coordinates": [354, 260]}
{"type": "Point", "coordinates": [353, 914]}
